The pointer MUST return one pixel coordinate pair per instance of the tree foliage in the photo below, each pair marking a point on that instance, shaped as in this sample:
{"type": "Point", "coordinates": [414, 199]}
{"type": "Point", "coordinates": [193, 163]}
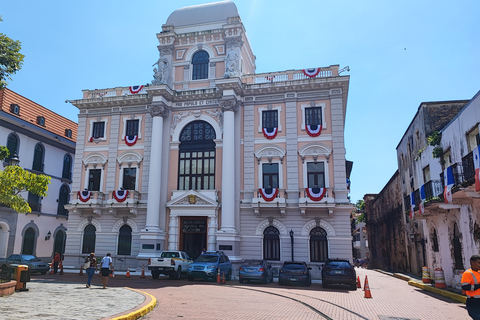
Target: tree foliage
{"type": "Point", "coordinates": [14, 180]}
{"type": "Point", "coordinates": [360, 208]}
{"type": "Point", "coordinates": [11, 59]}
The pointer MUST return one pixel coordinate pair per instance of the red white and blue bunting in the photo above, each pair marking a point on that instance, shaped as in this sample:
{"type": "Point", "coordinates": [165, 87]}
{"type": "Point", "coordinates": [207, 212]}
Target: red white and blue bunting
{"type": "Point", "coordinates": [316, 194]}
{"type": "Point", "coordinates": [135, 89]}
{"type": "Point", "coordinates": [313, 130]}
{"type": "Point", "coordinates": [131, 140]}
{"type": "Point", "coordinates": [270, 133]}
{"type": "Point", "coordinates": [270, 78]}
{"type": "Point", "coordinates": [120, 195]}
{"type": "Point", "coordinates": [311, 73]}
{"type": "Point", "coordinates": [84, 196]}
{"type": "Point", "coordinates": [268, 194]}
{"type": "Point", "coordinates": [91, 139]}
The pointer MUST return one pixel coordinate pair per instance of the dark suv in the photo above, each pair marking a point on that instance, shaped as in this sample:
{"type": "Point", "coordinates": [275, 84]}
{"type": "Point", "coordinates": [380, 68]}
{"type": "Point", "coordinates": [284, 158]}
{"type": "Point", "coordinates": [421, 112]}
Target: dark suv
{"type": "Point", "coordinates": [339, 272]}
{"type": "Point", "coordinates": [207, 265]}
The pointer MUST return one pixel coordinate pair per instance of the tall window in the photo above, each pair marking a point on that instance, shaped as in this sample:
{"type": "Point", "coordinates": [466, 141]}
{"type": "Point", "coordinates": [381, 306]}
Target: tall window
{"type": "Point", "coordinates": [270, 119]}
{"type": "Point", "coordinates": [313, 116]}
{"type": "Point", "coordinates": [200, 65]}
{"type": "Point", "coordinates": [316, 174]}
{"type": "Point", "coordinates": [34, 202]}
{"type": "Point", "coordinates": [94, 178]}
{"type": "Point", "coordinates": [98, 130]}
{"type": "Point", "coordinates": [38, 158]}
{"type": "Point", "coordinates": [129, 177]}
{"type": "Point", "coordinates": [196, 167]}
{"type": "Point", "coordinates": [270, 175]}
{"type": "Point", "coordinates": [271, 244]}
{"type": "Point", "coordinates": [435, 247]}
{"type": "Point", "coordinates": [62, 201]}
{"type": "Point", "coordinates": [125, 241]}
{"type": "Point", "coordinates": [12, 144]}
{"type": "Point", "coordinates": [89, 237]}
{"type": "Point", "coordinates": [28, 241]}
{"type": "Point", "coordinates": [318, 245]}
{"type": "Point", "coordinates": [67, 167]}
{"type": "Point", "coordinates": [132, 128]}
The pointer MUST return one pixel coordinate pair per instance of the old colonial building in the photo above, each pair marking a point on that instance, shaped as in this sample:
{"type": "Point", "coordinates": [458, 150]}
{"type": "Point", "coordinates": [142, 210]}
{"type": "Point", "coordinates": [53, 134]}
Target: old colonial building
{"type": "Point", "coordinates": [44, 142]}
{"type": "Point", "coordinates": [212, 155]}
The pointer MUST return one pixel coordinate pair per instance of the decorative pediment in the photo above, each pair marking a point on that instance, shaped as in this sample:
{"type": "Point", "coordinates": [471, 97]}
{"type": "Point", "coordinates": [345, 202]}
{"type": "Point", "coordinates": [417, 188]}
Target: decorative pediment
{"type": "Point", "coordinates": [95, 159]}
{"type": "Point", "coordinates": [269, 153]}
{"type": "Point", "coordinates": [192, 198]}
{"type": "Point", "coordinates": [315, 150]}
{"type": "Point", "coordinates": [128, 158]}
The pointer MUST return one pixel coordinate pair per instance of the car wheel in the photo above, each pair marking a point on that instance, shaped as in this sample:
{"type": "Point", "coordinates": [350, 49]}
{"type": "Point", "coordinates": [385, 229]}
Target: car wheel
{"type": "Point", "coordinates": [155, 275]}
{"type": "Point", "coordinates": [229, 275]}
{"type": "Point", "coordinates": [176, 275]}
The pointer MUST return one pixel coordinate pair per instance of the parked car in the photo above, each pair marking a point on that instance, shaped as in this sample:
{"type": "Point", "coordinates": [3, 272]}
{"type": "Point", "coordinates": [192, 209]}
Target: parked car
{"type": "Point", "coordinates": [34, 264]}
{"type": "Point", "coordinates": [170, 263]}
{"type": "Point", "coordinates": [339, 272]}
{"type": "Point", "coordinates": [295, 272]}
{"type": "Point", "coordinates": [207, 265]}
{"type": "Point", "coordinates": [255, 270]}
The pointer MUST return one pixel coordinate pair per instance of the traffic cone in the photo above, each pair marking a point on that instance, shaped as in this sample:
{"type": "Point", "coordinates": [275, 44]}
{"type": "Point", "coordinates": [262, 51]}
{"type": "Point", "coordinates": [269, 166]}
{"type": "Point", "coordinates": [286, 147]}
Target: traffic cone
{"type": "Point", "coordinates": [113, 273]}
{"type": "Point", "coordinates": [61, 268]}
{"type": "Point", "coordinates": [143, 272]}
{"type": "Point", "coordinates": [81, 271]}
{"type": "Point", "coordinates": [52, 267]}
{"type": "Point", "coordinates": [359, 283]}
{"type": "Point", "coordinates": [128, 273]}
{"type": "Point", "coordinates": [368, 294]}
{"type": "Point", "coordinates": [223, 278]}
{"type": "Point", "coordinates": [218, 276]}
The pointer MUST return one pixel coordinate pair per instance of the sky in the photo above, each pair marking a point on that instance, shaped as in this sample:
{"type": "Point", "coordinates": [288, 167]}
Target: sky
{"type": "Point", "coordinates": [400, 54]}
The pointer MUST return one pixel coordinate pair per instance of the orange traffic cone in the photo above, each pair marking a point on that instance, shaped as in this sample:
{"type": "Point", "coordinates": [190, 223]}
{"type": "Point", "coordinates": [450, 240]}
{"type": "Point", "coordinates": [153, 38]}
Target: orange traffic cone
{"type": "Point", "coordinates": [218, 276]}
{"type": "Point", "coordinates": [368, 294]}
{"type": "Point", "coordinates": [61, 268]}
{"type": "Point", "coordinates": [128, 273]}
{"type": "Point", "coordinates": [52, 267]}
{"type": "Point", "coordinates": [113, 273]}
{"type": "Point", "coordinates": [81, 271]}
{"type": "Point", "coordinates": [359, 283]}
{"type": "Point", "coordinates": [223, 278]}
{"type": "Point", "coordinates": [143, 272]}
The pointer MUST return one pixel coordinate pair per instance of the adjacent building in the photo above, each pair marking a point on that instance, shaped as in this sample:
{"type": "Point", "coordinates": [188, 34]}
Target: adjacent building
{"type": "Point", "coordinates": [212, 155]}
{"type": "Point", "coordinates": [44, 142]}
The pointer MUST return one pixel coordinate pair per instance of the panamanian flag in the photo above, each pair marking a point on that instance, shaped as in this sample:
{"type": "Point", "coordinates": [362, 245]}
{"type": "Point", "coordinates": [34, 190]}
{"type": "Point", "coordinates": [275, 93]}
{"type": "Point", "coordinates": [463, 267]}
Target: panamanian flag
{"type": "Point", "coordinates": [422, 199]}
{"type": "Point", "coordinates": [448, 182]}
{"type": "Point", "coordinates": [412, 206]}
{"type": "Point", "coordinates": [476, 163]}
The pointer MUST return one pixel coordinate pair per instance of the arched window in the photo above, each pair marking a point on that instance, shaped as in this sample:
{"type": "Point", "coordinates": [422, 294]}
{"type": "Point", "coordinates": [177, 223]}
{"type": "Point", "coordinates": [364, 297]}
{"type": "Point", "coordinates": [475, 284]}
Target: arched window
{"type": "Point", "coordinates": [200, 65]}
{"type": "Point", "coordinates": [89, 237]}
{"type": "Point", "coordinates": [12, 145]}
{"type": "Point", "coordinates": [59, 242]}
{"type": "Point", "coordinates": [67, 167]}
{"type": "Point", "coordinates": [196, 167]}
{"type": "Point", "coordinates": [125, 241]}
{"type": "Point", "coordinates": [38, 158]}
{"type": "Point", "coordinates": [271, 244]}
{"type": "Point", "coordinates": [28, 241]}
{"type": "Point", "coordinates": [318, 245]}
{"type": "Point", "coordinates": [63, 199]}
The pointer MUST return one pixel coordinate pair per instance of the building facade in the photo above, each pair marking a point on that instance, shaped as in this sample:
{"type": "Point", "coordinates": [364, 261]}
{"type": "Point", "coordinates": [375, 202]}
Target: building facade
{"type": "Point", "coordinates": [211, 155]}
{"type": "Point", "coordinates": [44, 142]}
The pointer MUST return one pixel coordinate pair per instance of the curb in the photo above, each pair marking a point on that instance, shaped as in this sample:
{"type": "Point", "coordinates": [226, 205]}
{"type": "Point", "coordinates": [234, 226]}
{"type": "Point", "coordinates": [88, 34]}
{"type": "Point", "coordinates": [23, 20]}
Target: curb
{"type": "Point", "coordinates": [140, 312]}
{"type": "Point", "coordinates": [448, 294]}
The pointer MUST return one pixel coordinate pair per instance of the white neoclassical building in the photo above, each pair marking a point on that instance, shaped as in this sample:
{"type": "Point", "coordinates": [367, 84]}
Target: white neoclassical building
{"type": "Point", "coordinates": [212, 155]}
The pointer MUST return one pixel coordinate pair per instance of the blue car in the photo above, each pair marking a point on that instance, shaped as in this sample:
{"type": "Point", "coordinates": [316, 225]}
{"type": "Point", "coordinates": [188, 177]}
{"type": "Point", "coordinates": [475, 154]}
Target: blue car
{"type": "Point", "coordinates": [255, 270]}
{"type": "Point", "coordinates": [208, 265]}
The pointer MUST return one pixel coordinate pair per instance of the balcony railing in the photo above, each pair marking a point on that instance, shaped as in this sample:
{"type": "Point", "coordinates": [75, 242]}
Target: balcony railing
{"type": "Point", "coordinates": [433, 189]}
{"type": "Point", "coordinates": [468, 169]}
{"type": "Point", "coordinates": [288, 75]}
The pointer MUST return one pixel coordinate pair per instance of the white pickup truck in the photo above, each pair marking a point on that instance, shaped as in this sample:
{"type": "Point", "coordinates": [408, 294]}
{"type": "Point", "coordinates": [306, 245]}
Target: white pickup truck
{"type": "Point", "coordinates": [171, 263]}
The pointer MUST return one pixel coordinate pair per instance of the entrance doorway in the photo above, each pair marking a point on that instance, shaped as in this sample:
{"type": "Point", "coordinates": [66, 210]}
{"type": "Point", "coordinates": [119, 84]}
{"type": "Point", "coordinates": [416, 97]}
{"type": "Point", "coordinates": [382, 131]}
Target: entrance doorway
{"type": "Point", "coordinates": [193, 237]}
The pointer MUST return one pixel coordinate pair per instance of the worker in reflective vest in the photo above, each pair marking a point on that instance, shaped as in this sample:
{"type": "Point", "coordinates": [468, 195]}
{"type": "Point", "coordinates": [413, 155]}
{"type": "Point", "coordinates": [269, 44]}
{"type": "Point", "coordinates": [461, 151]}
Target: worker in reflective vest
{"type": "Point", "coordinates": [471, 285]}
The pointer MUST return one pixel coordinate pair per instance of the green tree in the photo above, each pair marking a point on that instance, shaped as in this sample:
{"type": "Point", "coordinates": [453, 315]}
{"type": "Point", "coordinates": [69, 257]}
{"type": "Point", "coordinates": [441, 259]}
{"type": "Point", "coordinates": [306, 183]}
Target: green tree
{"type": "Point", "coordinates": [14, 180]}
{"type": "Point", "coordinates": [11, 59]}
{"type": "Point", "coordinates": [360, 208]}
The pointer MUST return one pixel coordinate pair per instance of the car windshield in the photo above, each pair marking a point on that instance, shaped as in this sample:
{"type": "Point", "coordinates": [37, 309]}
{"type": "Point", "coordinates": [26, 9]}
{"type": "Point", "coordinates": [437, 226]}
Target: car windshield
{"type": "Point", "coordinates": [31, 258]}
{"type": "Point", "coordinates": [339, 264]}
{"type": "Point", "coordinates": [252, 263]}
{"type": "Point", "coordinates": [207, 258]}
{"type": "Point", "coordinates": [294, 266]}
{"type": "Point", "coordinates": [169, 255]}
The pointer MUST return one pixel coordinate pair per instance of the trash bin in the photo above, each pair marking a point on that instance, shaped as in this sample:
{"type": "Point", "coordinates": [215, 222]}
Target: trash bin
{"type": "Point", "coordinates": [22, 276]}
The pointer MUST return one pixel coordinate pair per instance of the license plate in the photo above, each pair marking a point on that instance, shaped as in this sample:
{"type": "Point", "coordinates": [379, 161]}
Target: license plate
{"type": "Point", "coordinates": [250, 270]}
{"type": "Point", "coordinates": [161, 268]}
{"type": "Point", "coordinates": [293, 279]}
{"type": "Point", "coordinates": [338, 272]}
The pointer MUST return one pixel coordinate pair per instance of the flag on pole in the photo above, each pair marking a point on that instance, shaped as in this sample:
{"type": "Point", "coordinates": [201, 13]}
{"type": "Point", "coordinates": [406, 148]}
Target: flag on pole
{"type": "Point", "coordinates": [412, 206]}
{"type": "Point", "coordinates": [422, 199]}
{"type": "Point", "coordinates": [448, 182]}
{"type": "Point", "coordinates": [476, 162]}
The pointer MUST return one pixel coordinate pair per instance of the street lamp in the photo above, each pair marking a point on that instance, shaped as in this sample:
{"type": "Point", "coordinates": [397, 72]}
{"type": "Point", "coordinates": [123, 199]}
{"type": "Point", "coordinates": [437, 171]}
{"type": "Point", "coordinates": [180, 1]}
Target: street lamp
{"type": "Point", "coordinates": [291, 240]}
{"type": "Point", "coordinates": [14, 161]}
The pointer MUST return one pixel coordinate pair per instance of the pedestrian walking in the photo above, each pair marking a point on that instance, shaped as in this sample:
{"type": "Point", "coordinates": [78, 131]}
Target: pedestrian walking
{"type": "Point", "coordinates": [471, 285]}
{"type": "Point", "coordinates": [106, 264]}
{"type": "Point", "coordinates": [56, 261]}
{"type": "Point", "coordinates": [91, 266]}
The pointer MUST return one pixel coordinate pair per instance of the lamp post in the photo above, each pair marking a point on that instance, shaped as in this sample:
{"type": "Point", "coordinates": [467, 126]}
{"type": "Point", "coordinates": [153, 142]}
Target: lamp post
{"type": "Point", "coordinates": [13, 161]}
{"type": "Point", "coordinates": [291, 240]}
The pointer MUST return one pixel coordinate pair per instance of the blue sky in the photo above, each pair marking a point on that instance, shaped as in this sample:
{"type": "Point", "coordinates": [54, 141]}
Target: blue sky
{"type": "Point", "coordinates": [400, 53]}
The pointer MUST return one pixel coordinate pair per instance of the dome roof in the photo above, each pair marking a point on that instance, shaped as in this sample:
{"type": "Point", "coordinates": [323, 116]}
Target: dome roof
{"type": "Point", "coordinates": [202, 14]}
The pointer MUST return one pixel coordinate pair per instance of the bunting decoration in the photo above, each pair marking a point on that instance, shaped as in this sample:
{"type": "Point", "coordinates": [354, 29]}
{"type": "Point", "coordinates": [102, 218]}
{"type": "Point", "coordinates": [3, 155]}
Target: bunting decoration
{"type": "Point", "coordinates": [270, 133]}
{"type": "Point", "coordinates": [268, 194]}
{"type": "Point", "coordinates": [422, 200]}
{"type": "Point", "coordinates": [311, 73]}
{"type": "Point", "coordinates": [270, 78]}
{"type": "Point", "coordinates": [91, 139]}
{"type": "Point", "coordinates": [120, 195]}
{"type": "Point", "coordinates": [131, 140]}
{"type": "Point", "coordinates": [316, 194]}
{"type": "Point", "coordinates": [448, 182]}
{"type": "Point", "coordinates": [313, 130]}
{"type": "Point", "coordinates": [412, 206]}
{"type": "Point", "coordinates": [135, 89]}
{"type": "Point", "coordinates": [476, 163]}
{"type": "Point", "coordinates": [84, 196]}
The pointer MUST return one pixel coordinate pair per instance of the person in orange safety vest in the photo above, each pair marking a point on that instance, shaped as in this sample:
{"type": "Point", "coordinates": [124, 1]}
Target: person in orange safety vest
{"type": "Point", "coordinates": [471, 285]}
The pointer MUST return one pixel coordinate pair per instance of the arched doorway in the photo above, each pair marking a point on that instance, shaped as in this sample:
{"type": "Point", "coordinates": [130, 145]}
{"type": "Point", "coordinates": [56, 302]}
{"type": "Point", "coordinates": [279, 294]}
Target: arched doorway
{"type": "Point", "coordinates": [59, 242]}
{"type": "Point", "coordinates": [28, 241]}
